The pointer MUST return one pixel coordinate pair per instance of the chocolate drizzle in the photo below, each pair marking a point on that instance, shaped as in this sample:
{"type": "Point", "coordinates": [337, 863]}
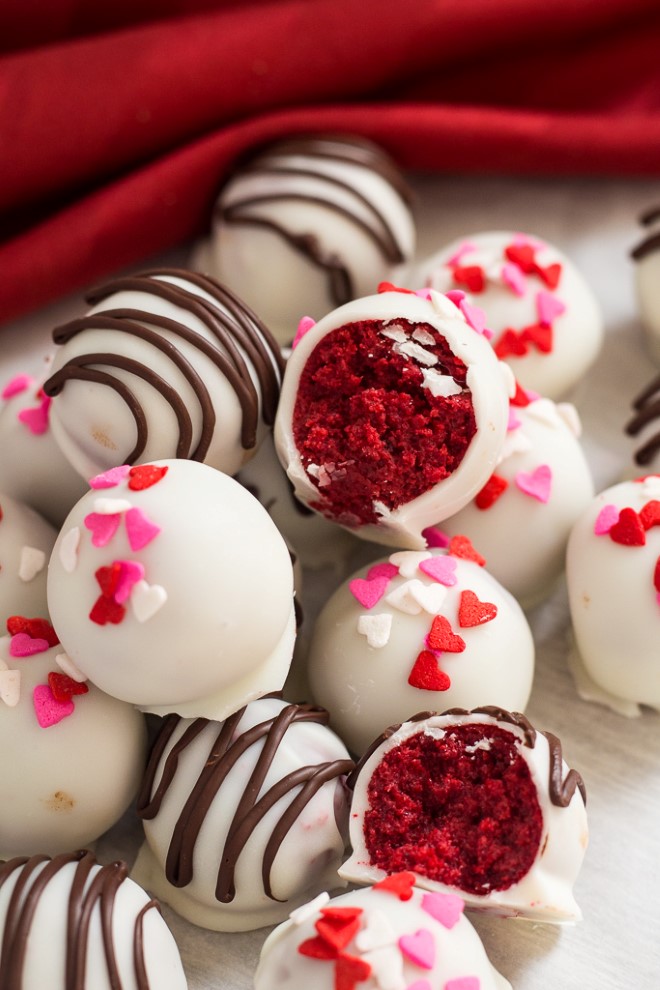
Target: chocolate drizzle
{"type": "Point", "coordinates": [652, 242]}
{"type": "Point", "coordinates": [246, 210]}
{"type": "Point", "coordinates": [227, 748]}
{"type": "Point", "coordinates": [85, 895]}
{"type": "Point", "coordinates": [239, 341]}
{"type": "Point", "coordinates": [647, 406]}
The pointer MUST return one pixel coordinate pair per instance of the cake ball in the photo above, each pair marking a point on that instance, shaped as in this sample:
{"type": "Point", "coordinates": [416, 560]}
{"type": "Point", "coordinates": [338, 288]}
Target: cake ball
{"type": "Point", "coordinates": [33, 469]}
{"type": "Point", "coordinates": [646, 259]}
{"type": "Point", "coordinates": [540, 487]}
{"type": "Point", "coordinates": [613, 575]}
{"type": "Point", "coordinates": [393, 414]}
{"type": "Point", "coordinates": [244, 819]}
{"type": "Point", "coordinates": [26, 541]}
{"type": "Point", "coordinates": [391, 936]}
{"type": "Point", "coordinates": [545, 320]}
{"type": "Point", "coordinates": [77, 755]}
{"type": "Point", "coordinates": [165, 364]}
{"type": "Point", "coordinates": [308, 224]}
{"type": "Point", "coordinates": [418, 630]}
{"type": "Point", "coordinates": [475, 803]}
{"type": "Point", "coordinates": [171, 588]}
{"type": "Point", "coordinates": [69, 922]}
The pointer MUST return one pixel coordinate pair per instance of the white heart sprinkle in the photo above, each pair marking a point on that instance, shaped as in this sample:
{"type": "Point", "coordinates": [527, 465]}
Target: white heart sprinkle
{"type": "Point", "coordinates": [571, 417]}
{"type": "Point", "coordinates": [408, 561]}
{"type": "Point", "coordinates": [111, 506]}
{"type": "Point", "coordinates": [10, 687]}
{"type": "Point", "coordinates": [376, 628]}
{"type": "Point", "coordinates": [147, 599]}
{"type": "Point", "coordinates": [412, 597]}
{"type": "Point", "coordinates": [544, 411]}
{"type": "Point", "coordinates": [31, 563]}
{"type": "Point", "coordinates": [386, 968]}
{"type": "Point", "coordinates": [68, 551]}
{"type": "Point", "coordinates": [377, 933]}
{"type": "Point", "coordinates": [516, 442]}
{"type": "Point", "coordinates": [308, 910]}
{"type": "Point", "coordinates": [651, 487]}
{"type": "Point", "coordinates": [66, 664]}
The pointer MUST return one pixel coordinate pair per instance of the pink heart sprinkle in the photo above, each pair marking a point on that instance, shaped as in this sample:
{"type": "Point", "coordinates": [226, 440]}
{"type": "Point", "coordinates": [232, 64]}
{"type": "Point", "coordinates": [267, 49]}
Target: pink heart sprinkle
{"type": "Point", "coordinates": [440, 569]}
{"type": "Point", "coordinates": [465, 248]}
{"type": "Point", "coordinates": [435, 537]}
{"type": "Point", "coordinates": [110, 478]}
{"type": "Point", "coordinates": [456, 296]}
{"type": "Point", "coordinates": [17, 385]}
{"type": "Point", "coordinates": [419, 985]}
{"type": "Point", "coordinates": [23, 645]}
{"type": "Point", "coordinates": [537, 484]}
{"type": "Point", "coordinates": [548, 308]}
{"type": "Point", "coordinates": [605, 519]}
{"type": "Point", "coordinates": [102, 527]}
{"type": "Point", "coordinates": [139, 529]}
{"type": "Point", "coordinates": [305, 325]}
{"type": "Point", "coordinates": [514, 278]}
{"type": "Point", "coordinates": [419, 948]}
{"type": "Point", "coordinates": [514, 422]}
{"type": "Point", "coordinates": [368, 593]}
{"type": "Point", "coordinates": [36, 419]}
{"type": "Point", "coordinates": [130, 572]}
{"type": "Point", "coordinates": [385, 569]}
{"type": "Point", "coordinates": [48, 709]}
{"type": "Point", "coordinates": [445, 908]}
{"type": "Point", "coordinates": [526, 240]}
{"type": "Point", "coordinates": [474, 316]}
{"type": "Point", "coordinates": [463, 983]}
{"type": "Point", "coordinates": [423, 294]}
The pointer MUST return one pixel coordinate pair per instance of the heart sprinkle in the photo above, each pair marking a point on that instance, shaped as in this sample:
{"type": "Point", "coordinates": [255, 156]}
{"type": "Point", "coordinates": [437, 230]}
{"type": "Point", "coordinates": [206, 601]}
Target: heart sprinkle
{"type": "Point", "coordinates": [48, 709]}
{"type": "Point", "coordinates": [144, 476]}
{"type": "Point", "coordinates": [419, 948]}
{"type": "Point", "coordinates": [426, 675]}
{"type": "Point", "coordinates": [443, 638]}
{"type": "Point", "coordinates": [473, 612]}
{"type": "Point", "coordinates": [445, 908]}
{"type": "Point", "coordinates": [537, 484]}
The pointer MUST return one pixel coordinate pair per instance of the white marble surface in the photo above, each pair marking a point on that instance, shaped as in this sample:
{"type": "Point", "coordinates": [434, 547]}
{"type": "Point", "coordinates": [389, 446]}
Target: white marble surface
{"type": "Point", "coordinates": [618, 943]}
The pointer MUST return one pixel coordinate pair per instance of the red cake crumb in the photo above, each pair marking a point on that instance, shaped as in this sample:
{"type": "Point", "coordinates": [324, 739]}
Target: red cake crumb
{"type": "Point", "coordinates": [363, 415]}
{"type": "Point", "coordinates": [469, 819]}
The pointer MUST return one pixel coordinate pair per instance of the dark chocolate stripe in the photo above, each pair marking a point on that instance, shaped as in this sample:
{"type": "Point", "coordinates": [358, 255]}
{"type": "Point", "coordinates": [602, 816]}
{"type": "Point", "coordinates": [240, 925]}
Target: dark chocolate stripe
{"type": "Point", "coordinates": [562, 788]}
{"type": "Point", "coordinates": [650, 216]}
{"type": "Point", "coordinates": [647, 406]}
{"type": "Point", "coordinates": [646, 247]}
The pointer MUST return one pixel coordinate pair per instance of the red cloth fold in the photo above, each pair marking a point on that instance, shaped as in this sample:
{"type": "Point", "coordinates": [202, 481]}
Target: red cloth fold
{"type": "Point", "coordinates": [118, 125]}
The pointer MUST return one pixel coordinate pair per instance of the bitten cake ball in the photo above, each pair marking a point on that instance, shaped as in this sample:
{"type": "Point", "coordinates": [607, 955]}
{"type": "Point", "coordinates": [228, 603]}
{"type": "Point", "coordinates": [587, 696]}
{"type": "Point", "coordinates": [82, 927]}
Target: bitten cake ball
{"type": "Point", "coordinates": [247, 818]}
{"type": "Point", "coordinates": [646, 257]}
{"type": "Point", "coordinates": [171, 588]}
{"type": "Point", "coordinates": [418, 631]}
{"type": "Point", "coordinates": [539, 488]}
{"type": "Point", "coordinates": [391, 936]}
{"type": "Point", "coordinates": [613, 574]}
{"type": "Point", "coordinates": [165, 364]}
{"type": "Point", "coordinates": [309, 224]}
{"type": "Point", "coordinates": [393, 414]}
{"type": "Point", "coordinates": [472, 803]}
{"type": "Point", "coordinates": [77, 755]}
{"type": "Point", "coordinates": [26, 541]}
{"type": "Point", "coordinates": [545, 319]}
{"type": "Point", "coordinates": [69, 923]}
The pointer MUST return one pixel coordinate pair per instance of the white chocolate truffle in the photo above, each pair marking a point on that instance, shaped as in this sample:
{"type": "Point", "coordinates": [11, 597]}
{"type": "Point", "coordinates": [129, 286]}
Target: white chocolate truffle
{"type": "Point", "coordinates": [393, 414]}
{"type": "Point", "coordinates": [308, 224]}
{"type": "Point", "coordinates": [540, 487]}
{"type": "Point", "coordinates": [172, 589]}
{"type": "Point", "coordinates": [70, 922]}
{"type": "Point", "coordinates": [166, 364]}
{"type": "Point", "coordinates": [33, 469]}
{"type": "Point", "coordinates": [478, 804]}
{"type": "Point", "coordinates": [546, 321]}
{"type": "Point", "coordinates": [646, 256]}
{"type": "Point", "coordinates": [244, 819]}
{"type": "Point", "coordinates": [613, 579]}
{"type": "Point", "coordinates": [77, 755]}
{"type": "Point", "coordinates": [26, 541]}
{"type": "Point", "coordinates": [389, 937]}
{"type": "Point", "coordinates": [418, 631]}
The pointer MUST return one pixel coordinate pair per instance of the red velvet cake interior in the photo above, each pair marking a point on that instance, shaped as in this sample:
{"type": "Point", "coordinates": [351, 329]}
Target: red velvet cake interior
{"type": "Point", "coordinates": [374, 432]}
{"type": "Point", "coordinates": [460, 809]}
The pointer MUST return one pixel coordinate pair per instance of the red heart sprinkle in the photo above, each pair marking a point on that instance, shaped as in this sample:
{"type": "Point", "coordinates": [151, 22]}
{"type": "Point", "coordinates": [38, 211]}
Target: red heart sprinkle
{"type": "Point", "coordinates": [521, 398]}
{"type": "Point", "coordinates": [461, 546]}
{"type": "Point", "coordinates": [349, 971]}
{"type": "Point", "coordinates": [471, 276]}
{"type": "Point", "coordinates": [108, 579]}
{"type": "Point", "coordinates": [443, 638]}
{"type": "Point", "coordinates": [144, 476]}
{"type": "Point", "coordinates": [649, 514]}
{"type": "Point", "coordinates": [389, 287]}
{"type": "Point", "coordinates": [36, 628]}
{"type": "Point", "coordinates": [400, 884]}
{"type": "Point", "coordinates": [339, 925]}
{"type": "Point", "coordinates": [656, 576]}
{"type": "Point", "coordinates": [106, 610]}
{"type": "Point", "coordinates": [64, 687]}
{"type": "Point", "coordinates": [317, 948]}
{"type": "Point", "coordinates": [473, 612]}
{"type": "Point", "coordinates": [540, 336]}
{"type": "Point", "coordinates": [628, 529]}
{"type": "Point", "coordinates": [426, 675]}
{"type": "Point", "coordinates": [492, 490]}
{"type": "Point", "coordinates": [550, 275]}
{"type": "Point", "coordinates": [522, 255]}
{"type": "Point", "coordinates": [510, 344]}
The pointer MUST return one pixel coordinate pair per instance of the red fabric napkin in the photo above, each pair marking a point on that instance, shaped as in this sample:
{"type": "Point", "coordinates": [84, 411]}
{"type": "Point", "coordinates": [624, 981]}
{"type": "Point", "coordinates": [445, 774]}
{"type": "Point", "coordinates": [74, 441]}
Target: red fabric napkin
{"type": "Point", "coordinates": [119, 120]}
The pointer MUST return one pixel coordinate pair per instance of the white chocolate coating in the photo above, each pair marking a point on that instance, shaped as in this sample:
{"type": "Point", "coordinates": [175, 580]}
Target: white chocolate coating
{"type": "Point", "coordinates": [210, 623]}
{"type": "Point", "coordinates": [545, 438]}
{"type": "Point", "coordinates": [33, 469]}
{"type": "Point", "coordinates": [95, 425]}
{"type": "Point", "coordinates": [647, 279]}
{"type": "Point", "coordinates": [577, 331]}
{"type": "Point", "coordinates": [545, 893]}
{"type": "Point", "coordinates": [487, 378]}
{"type": "Point", "coordinates": [330, 202]}
{"type": "Point", "coordinates": [50, 933]}
{"type": "Point", "coordinates": [26, 541]}
{"type": "Point", "coordinates": [451, 951]}
{"type": "Point", "coordinates": [68, 782]}
{"type": "Point", "coordinates": [311, 850]}
{"type": "Point", "coordinates": [366, 687]}
{"type": "Point", "coordinates": [614, 604]}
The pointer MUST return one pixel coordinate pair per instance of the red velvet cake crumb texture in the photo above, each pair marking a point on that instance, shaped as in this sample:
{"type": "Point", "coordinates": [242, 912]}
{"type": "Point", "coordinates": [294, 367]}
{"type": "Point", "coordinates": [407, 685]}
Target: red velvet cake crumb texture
{"type": "Point", "coordinates": [363, 414]}
{"type": "Point", "coordinates": [463, 816]}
